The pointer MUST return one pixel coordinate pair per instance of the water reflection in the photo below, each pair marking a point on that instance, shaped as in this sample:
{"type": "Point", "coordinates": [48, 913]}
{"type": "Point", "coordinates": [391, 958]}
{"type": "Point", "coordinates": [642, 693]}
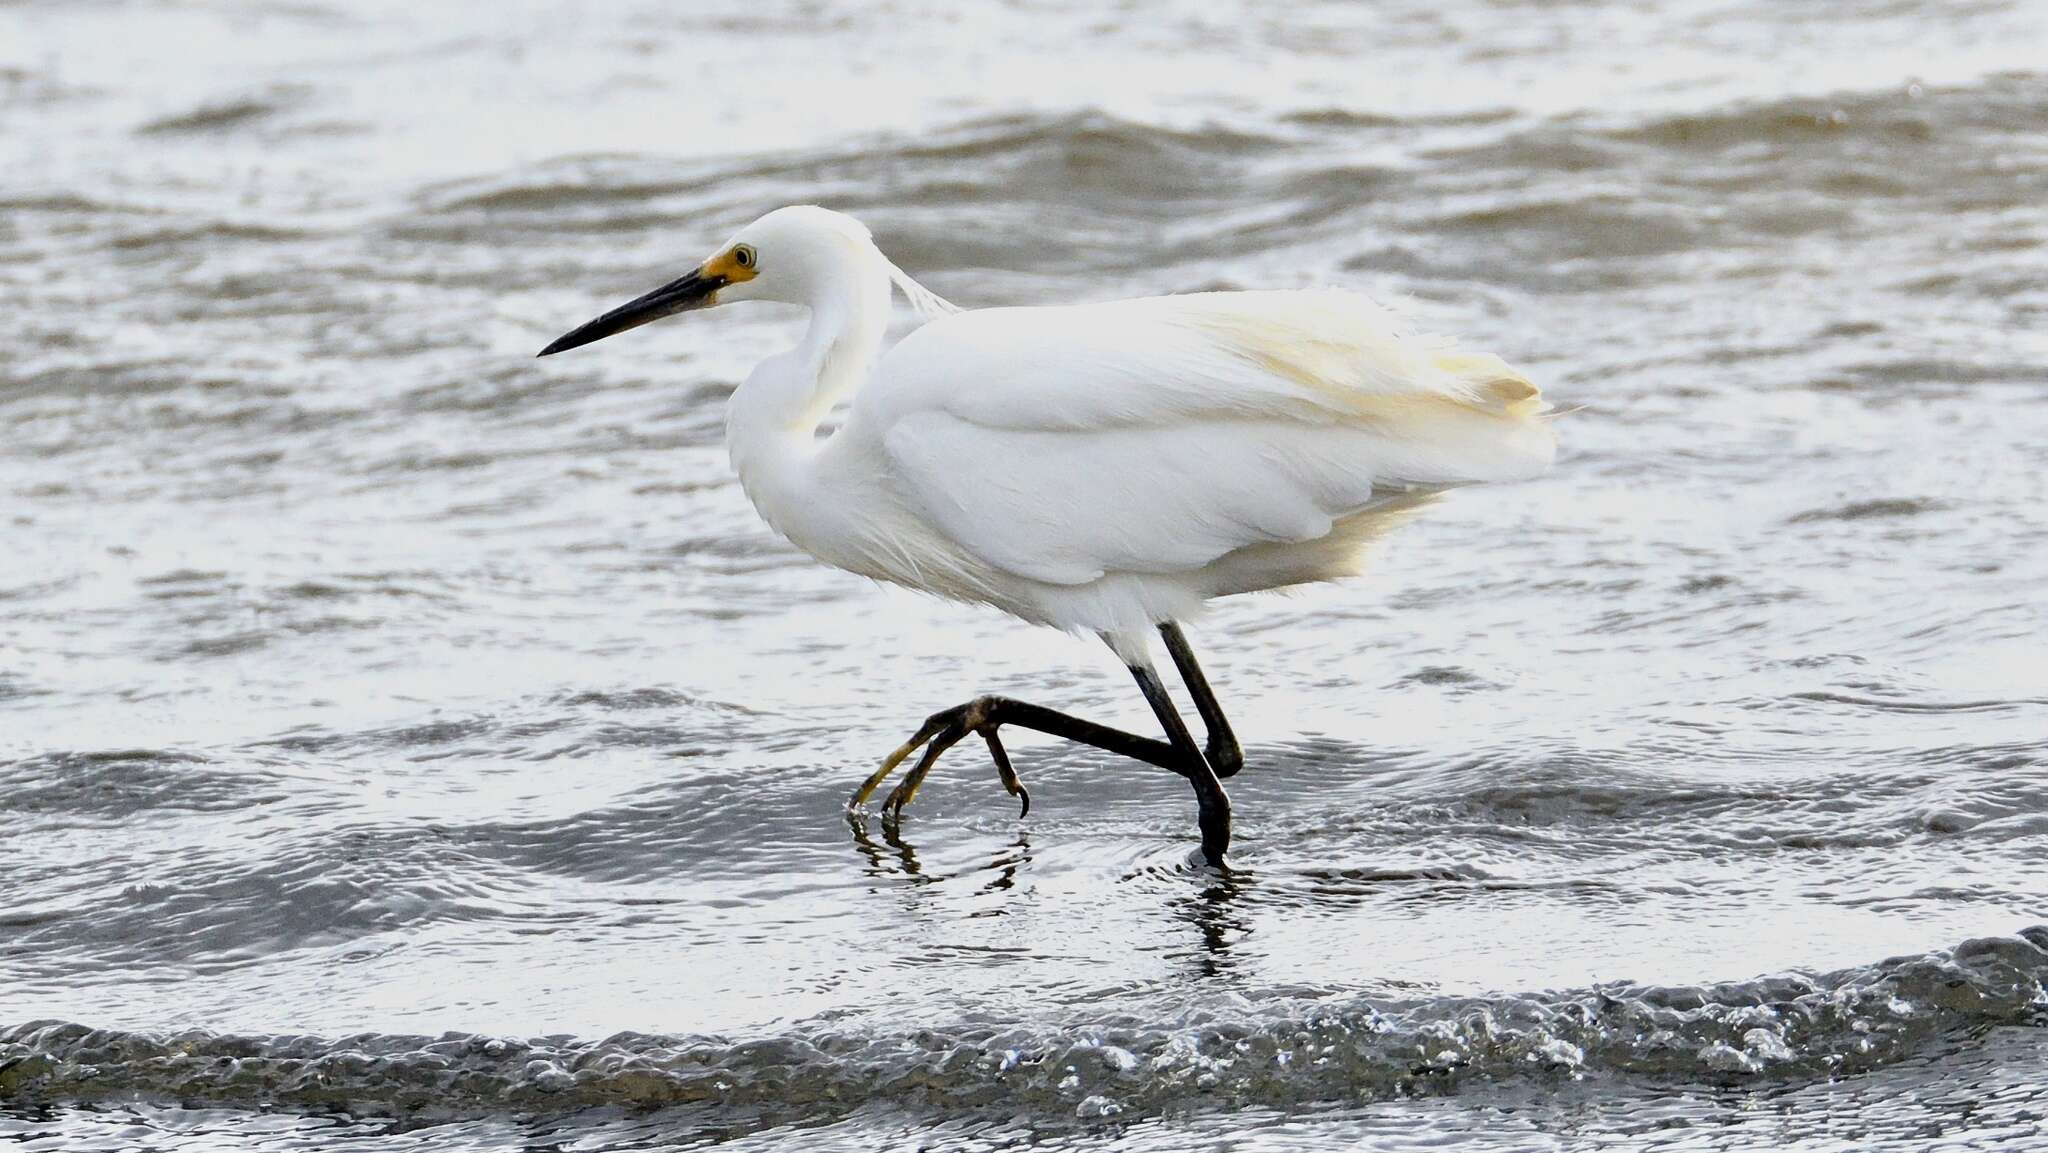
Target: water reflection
{"type": "Point", "coordinates": [1007, 864]}
{"type": "Point", "coordinates": [896, 856]}
{"type": "Point", "coordinates": [892, 857]}
{"type": "Point", "coordinates": [1219, 923]}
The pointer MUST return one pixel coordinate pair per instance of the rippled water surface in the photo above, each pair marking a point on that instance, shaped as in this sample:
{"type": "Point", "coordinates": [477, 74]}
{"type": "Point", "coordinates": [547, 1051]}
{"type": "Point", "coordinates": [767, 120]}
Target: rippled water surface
{"type": "Point", "coordinates": [413, 743]}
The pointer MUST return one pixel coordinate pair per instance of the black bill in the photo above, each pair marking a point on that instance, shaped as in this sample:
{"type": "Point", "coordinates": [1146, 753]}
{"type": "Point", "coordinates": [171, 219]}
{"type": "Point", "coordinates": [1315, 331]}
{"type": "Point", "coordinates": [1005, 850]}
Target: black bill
{"type": "Point", "coordinates": [692, 291]}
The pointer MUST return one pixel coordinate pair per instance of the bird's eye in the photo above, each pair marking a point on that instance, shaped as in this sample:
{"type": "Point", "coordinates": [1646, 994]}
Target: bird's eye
{"type": "Point", "coordinates": [744, 256]}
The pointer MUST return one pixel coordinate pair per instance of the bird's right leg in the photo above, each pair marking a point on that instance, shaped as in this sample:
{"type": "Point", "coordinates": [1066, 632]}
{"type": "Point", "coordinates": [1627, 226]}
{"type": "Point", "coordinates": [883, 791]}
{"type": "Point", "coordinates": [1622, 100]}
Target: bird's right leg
{"type": "Point", "coordinates": [1213, 804]}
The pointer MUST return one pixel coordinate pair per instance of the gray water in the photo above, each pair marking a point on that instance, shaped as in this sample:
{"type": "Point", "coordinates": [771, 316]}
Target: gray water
{"type": "Point", "coordinates": [408, 743]}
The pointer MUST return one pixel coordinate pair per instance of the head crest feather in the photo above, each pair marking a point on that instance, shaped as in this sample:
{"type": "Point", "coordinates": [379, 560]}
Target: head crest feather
{"type": "Point", "coordinates": [927, 304]}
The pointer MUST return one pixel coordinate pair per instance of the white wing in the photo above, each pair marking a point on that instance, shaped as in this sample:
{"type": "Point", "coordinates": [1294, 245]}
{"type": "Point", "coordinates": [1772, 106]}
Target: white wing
{"type": "Point", "coordinates": [1159, 435]}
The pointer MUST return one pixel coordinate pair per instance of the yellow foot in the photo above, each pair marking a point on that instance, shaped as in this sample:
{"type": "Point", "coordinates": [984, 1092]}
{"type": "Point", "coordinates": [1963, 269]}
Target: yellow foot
{"type": "Point", "coordinates": [941, 731]}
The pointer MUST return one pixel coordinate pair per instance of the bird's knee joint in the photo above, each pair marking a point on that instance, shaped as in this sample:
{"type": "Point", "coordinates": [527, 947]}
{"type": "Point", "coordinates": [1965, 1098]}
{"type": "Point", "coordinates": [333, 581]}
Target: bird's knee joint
{"type": "Point", "coordinates": [1226, 760]}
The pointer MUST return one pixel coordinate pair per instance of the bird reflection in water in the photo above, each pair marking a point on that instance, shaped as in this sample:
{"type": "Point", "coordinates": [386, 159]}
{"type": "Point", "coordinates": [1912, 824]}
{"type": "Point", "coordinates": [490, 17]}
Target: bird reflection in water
{"type": "Point", "coordinates": [894, 856]}
{"type": "Point", "coordinates": [1217, 918]}
{"type": "Point", "coordinates": [1213, 910]}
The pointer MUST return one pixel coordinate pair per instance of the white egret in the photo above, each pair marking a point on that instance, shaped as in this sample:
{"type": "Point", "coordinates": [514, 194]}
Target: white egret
{"type": "Point", "coordinates": [1095, 467]}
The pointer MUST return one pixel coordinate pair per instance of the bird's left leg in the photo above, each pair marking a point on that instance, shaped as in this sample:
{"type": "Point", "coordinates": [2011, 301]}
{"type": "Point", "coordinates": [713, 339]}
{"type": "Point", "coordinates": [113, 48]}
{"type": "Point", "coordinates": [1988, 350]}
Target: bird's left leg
{"type": "Point", "coordinates": [1178, 753]}
{"type": "Point", "coordinates": [943, 731]}
{"type": "Point", "coordinates": [985, 715]}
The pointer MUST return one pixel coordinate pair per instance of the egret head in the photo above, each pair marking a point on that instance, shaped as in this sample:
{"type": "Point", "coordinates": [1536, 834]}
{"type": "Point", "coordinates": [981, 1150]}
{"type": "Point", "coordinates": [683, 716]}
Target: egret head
{"type": "Point", "coordinates": [784, 256]}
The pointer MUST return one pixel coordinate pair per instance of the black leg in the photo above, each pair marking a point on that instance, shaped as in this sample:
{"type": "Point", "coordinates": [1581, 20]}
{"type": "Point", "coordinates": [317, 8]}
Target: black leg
{"type": "Point", "coordinates": [1224, 754]}
{"type": "Point", "coordinates": [985, 715]}
{"type": "Point", "coordinates": [1215, 804]}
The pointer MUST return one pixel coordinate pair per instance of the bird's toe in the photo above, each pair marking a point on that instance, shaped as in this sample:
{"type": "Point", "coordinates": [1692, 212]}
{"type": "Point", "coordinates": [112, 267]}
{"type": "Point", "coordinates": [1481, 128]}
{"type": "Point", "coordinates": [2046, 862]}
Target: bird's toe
{"type": "Point", "coordinates": [1005, 770]}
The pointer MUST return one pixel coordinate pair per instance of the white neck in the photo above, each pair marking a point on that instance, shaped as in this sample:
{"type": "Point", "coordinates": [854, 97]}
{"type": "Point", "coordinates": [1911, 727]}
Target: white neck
{"type": "Point", "coordinates": [772, 420]}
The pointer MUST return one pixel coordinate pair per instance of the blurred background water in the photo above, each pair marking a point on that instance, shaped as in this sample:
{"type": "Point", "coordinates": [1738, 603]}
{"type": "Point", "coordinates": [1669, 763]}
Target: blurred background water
{"type": "Point", "coordinates": [407, 742]}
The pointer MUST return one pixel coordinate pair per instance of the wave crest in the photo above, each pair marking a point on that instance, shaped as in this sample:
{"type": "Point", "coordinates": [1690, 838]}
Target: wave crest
{"type": "Point", "coordinates": [1272, 1053]}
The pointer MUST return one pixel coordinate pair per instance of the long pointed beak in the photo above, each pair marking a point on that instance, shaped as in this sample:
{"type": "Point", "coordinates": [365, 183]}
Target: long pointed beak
{"type": "Point", "coordinates": [697, 290]}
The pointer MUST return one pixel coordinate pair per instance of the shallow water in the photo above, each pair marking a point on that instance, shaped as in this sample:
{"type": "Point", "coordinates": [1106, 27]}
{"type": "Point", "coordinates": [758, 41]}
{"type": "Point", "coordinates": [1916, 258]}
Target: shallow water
{"type": "Point", "coordinates": [411, 742]}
